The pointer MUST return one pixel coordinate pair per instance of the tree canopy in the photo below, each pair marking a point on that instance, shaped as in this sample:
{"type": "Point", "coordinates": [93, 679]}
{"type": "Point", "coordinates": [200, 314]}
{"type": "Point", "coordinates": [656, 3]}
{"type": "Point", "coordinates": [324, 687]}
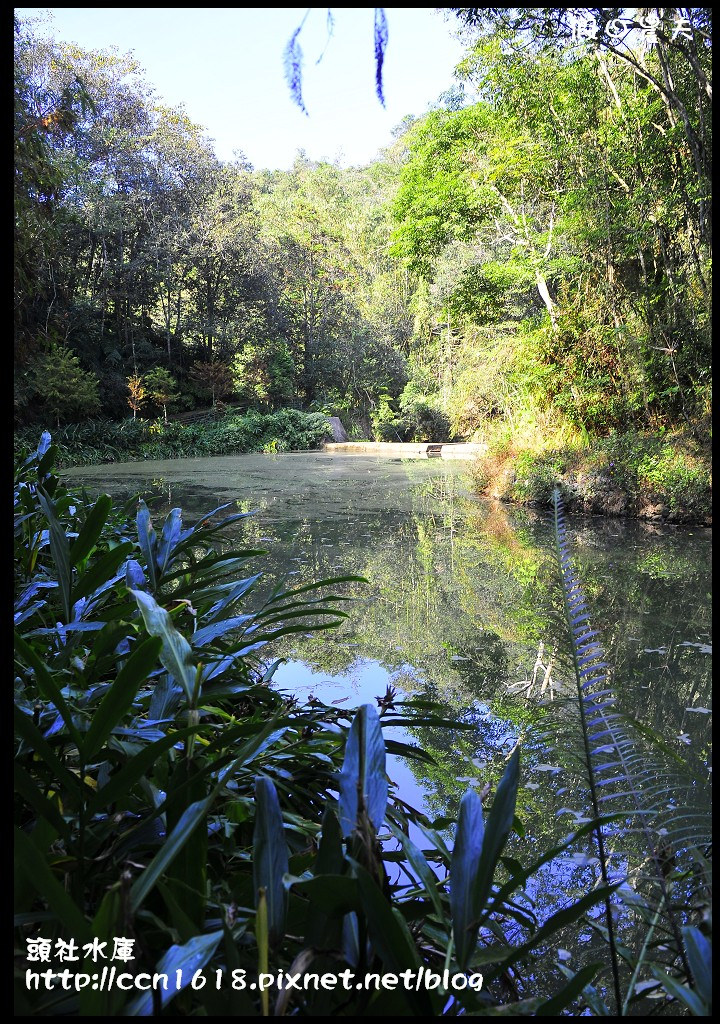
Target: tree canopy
{"type": "Point", "coordinates": [542, 250]}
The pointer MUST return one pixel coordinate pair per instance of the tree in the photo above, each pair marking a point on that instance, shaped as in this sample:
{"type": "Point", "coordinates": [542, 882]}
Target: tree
{"type": "Point", "coordinates": [137, 394]}
{"type": "Point", "coordinates": [668, 49]}
{"type": "Point", "coordinates": [63, 386]}
{"type": "Point", "coordinates": [213, 378]}
{"type": "Point", "coordinates": [264, 373]}
{"type": "Point", "coordinates": [161, 387]}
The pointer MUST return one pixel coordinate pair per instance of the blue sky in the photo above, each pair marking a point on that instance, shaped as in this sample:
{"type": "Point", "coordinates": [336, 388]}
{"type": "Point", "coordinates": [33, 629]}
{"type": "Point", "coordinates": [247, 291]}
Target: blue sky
{"type": "Point", "coordinates": [225, 66]}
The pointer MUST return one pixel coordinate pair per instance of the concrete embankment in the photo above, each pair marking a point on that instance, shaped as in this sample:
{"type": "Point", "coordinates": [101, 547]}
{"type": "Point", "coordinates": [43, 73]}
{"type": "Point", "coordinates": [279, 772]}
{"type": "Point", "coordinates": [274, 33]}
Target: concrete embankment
{"type": "Point", "coordinates": [407, 450]}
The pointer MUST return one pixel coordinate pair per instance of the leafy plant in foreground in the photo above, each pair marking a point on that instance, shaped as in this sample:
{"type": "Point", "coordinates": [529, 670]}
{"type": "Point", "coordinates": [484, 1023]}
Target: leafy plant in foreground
{"type": "Point", "coordinates": [165, 793]}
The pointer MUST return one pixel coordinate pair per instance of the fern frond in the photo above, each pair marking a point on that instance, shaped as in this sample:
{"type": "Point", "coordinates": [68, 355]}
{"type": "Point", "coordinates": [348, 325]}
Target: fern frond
{"type": "Point", "coordinates": [630, 770]}
{"type": "Point", "coordinates": [589, 669]}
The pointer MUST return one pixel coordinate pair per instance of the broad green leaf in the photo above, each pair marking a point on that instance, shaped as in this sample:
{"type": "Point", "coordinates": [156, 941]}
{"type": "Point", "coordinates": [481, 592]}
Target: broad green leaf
{"type": "Point", "coordinates": [171, 533]}
{"type": "Point", "coordinates": [26, 788]}
{"type": "Point", "coordinates": [104, 569]}
{"type": "Point", "coordinates": [262, 937]}
{"type": "Point", "coordinates": [270, 856]}
{"type": "Point", "coordinates": [390, 936]}
{"type": "Point", "coordinates": [416, 859]}
{"type": "Point", "coordinates": [176, 653]}
{"type": "Point", "coordinates": [187, 875]}
{"type": "Point", "coordinates": [217, 629]}
{"type": "Point", "coordinates": [91, 529]}
{"type": "Point", "coordinates": [464, 866]}
{"type": "Point", "coordinates": [147, 539]}
{"type": "Point", "coordinates": [234, 592]}
{"type": "Point", "coordinates": [682, 993]}
{"type": "Point", "coordinates": [47, 685]}
{"type": "Point", "coordinates": [336, 894]}
{"type": "Point", "coordinates": [330, 853]}
{"type": "Point", "coordinates": [499, 823]}
{"type": "Point", "coordinates": [363, 779]}
{"type": "Point", "coordinates": [699, 953]}
{"type": "Point", "coordinates": [59, 549]}
{"type": "Point", "coordinates": [194, 815]}
{"type": "Point", "coordinates": [183, 925]}
{"type": "Point", "coordinates": [107, 925]}
{"type": "Point", "coordinates": [138, 765]}
{"type": "Point", "coordinates": [25, 727]}
{"type": "Point", "coordinates": [188, 959]}
{"type": "Point", "coordinates": [321, 931]}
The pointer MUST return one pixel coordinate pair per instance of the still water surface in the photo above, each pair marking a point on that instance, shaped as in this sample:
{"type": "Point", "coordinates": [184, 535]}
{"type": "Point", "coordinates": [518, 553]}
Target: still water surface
{"type": "Point", "coordinates": [460, 597]}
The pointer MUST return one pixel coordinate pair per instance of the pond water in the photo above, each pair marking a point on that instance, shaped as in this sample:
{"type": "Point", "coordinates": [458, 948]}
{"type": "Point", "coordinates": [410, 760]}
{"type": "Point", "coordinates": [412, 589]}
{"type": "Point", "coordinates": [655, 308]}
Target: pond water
{"type": "Point", "coordinates": [460, 597]}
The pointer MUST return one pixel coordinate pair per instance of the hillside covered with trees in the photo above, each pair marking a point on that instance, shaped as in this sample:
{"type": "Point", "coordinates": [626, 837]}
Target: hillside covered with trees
{"type": "Point", "coordinates": [527, 264]}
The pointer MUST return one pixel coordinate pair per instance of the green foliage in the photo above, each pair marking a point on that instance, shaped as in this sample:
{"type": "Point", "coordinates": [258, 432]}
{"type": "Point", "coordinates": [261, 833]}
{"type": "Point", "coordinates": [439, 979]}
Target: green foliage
{"type": "Point", "coordinates": [106, 441]}
{"type": "Point", "coordinates": [386, 424]}
{"type": "Point", "coordinates": [649, 475]}
{"type": "Point", "coordinates": [531, 222]}
{"type": "Point", "coordinates": [540, 254]}
{"type": "Point", "coordinates": [423, 420]}
{"type": "Point", "coordinates": [418, 419]}
{"type": "Point", "coordinates": [212, 379]}
{"type": "Point", "coordinates": [264, 373]}
{"type": "Point", "coordinates": [161, 387]}
{"type": "Point", "coordinates": [62, 386]}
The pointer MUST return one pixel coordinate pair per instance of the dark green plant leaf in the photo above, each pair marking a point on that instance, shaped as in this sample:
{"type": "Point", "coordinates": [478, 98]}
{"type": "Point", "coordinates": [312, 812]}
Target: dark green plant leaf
{"type": "Point", "coordinates": [147, 538]}
{"type": "Point", "coordinates": [270, 857]}
{"type": "Point", "coordinates": [336, 894]}
{"type": "Point", "coordinates": [675, 988]}
{"type": "Point", "coordinates": [101, 571]}
{"type": "Point", "coordinates": [417, 861]}
{"type": "Point", "coordinates": [499, 823]}
{"type": "Point", "coordinates": [699, 953]}
{"type": "Point", "coordinates": [187, 875]}
{"type": "Point", "coordinates": [119, 698]}
{"type": "Point", "coordinates": [25, 728]}
{"type": "Point", "coordinates": [59, 549]}
{"type": "Point", "coordinates": [91, 529]}
{"type": "Point", "coordinates": [188, 959]}
{"type": "Point", "coordinates": [390, 937]}
{"type": "Point", "coordinates": [136, 767]}
{"type": "Point", "coordinates": [363, 782]}
{"type": "Point", "coordinates": [170, 537]}
{"type": "Point", "coordinates": [194, 815]}
{"type": "Point", "coordinates": [176, 653]}
{"type": "Point", "coordinates": [30, 863]}
{"type": "Point", "coordinates": [26, 788]}
{"type": "Point", "coordinates": [464, 866]}
{"type": "Point", "coordinates": [47, 686]}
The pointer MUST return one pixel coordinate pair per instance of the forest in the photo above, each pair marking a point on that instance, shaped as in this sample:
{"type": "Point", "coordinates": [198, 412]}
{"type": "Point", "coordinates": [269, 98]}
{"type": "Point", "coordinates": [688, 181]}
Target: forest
{"type": "Point", "coordinates": [531, 268]}
{"type": "Point", "coordinates": [526, 265]}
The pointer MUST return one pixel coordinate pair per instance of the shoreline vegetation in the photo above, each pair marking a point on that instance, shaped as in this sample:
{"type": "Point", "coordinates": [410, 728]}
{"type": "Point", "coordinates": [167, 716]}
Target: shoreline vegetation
{"type": "Point", "coordinates": [660, 478]}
